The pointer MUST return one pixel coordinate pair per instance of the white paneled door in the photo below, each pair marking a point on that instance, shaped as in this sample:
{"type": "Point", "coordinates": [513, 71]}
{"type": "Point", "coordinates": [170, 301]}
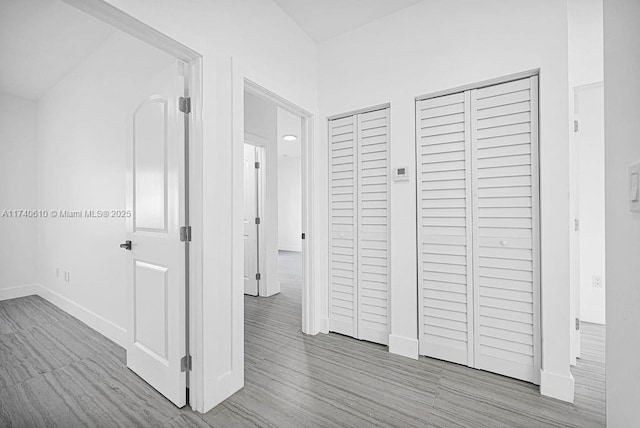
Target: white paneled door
{"type": "Point", "coordinates": [156, 336]}
{"type": "Point", "coordinates": [479, 281]}
{"type": "Point", "coordinates": [359, 225]}
{"type": "Point", "coordinates": [250, 214]}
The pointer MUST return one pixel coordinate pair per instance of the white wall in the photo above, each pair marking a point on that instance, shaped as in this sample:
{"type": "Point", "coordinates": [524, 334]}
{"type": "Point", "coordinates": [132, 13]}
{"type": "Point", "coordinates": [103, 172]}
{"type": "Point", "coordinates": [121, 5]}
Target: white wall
{"type": "Point", "coordinates": [82, 138]}
{"type": "Point", "coordinates": [289, 204]}
{"type": "Point", "coordinates": [622, 147]}
{"type": "Point", "coordinates": [18, 191]}
{"type": "Point", "coordinates": [585, 41]}
{"type": "Point", "coordinates": [441, 44]}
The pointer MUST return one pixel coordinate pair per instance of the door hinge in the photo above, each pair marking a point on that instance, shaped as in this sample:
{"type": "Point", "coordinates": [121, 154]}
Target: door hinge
{"type": "Point", "coordinates": [185, 363]}
{"type": "Point", "coordinates": [304, 236]}
{"type": "Point", "coordinates": [258, 276]}
{"type": "Point", "coordinates": [257, 165]}
{"type": "Point", "coordinates": [257, 220]}
{"type": "Point", "coordinates": [576, 225]}
{"type": "Point", "coordinates": [575, 126]}
{"type": "Point", "coordinates": [185, 105]}
{"type": "Point", "coordinates": [577, 323]}
{"type": "Point", "coordinates": [185, 234]}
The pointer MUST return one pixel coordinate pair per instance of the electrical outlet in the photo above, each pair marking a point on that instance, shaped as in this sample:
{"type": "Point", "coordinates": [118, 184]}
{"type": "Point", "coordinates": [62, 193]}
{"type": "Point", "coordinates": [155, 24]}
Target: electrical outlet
{"type": "Point", "coordinates": [597, 281]}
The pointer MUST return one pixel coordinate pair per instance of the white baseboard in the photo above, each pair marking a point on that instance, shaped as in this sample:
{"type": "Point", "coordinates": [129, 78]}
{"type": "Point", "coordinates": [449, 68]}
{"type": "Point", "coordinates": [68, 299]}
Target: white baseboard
{"type": "Point", "coordinates": [324, 325]}
{"type": "Point", "coordinates": [405, 346]}
{"type": "Point", "coordinates": [15, 292]}
{"type": "Point", "coordinates": [557, 386]}
{"type": "Point", "coordinates": [103, 326]}
{"type": "Point", "coordinates": [290, 247]}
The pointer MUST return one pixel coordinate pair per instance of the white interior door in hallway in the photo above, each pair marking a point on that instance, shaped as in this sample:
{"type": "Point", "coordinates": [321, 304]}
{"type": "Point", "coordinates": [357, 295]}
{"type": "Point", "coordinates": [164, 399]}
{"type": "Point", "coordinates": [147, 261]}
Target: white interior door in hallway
{"type": "Point", "coordinates": [249, 219]}
{"type": "Point", "coordinates": [478, 233]}
{"type": "Point", "coordinates": [359, 225]}
{"type": "Point", "coordinates": [155, 195]}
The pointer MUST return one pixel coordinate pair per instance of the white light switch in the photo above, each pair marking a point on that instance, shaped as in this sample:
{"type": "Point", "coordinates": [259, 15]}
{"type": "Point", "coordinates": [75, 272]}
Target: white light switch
{"type": "Point", "coordinates": [634, 187]}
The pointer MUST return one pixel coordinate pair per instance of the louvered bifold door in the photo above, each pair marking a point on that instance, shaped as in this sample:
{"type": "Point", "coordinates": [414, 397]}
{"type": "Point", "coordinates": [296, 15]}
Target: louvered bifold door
{"type": "Point", "coordinates": [343, 276]}
{"type": "Point", "coordinates": [373, 226]}
{"type": "Point", "coordinates": [444, 228]}
{"type": "Point", "coordinates": [504, 132]}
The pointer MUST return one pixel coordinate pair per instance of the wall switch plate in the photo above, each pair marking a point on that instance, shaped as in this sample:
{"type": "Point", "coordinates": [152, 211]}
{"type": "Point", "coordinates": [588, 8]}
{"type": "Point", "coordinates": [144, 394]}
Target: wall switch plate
{"type": "Point", "coordinates": [596, 281]}
{"type": "Point", "coordinates": [401, 173]}
{"type": "Point", "coordinates": [634, 188]}
{"type": "Point", "coordinates": [66, 276]}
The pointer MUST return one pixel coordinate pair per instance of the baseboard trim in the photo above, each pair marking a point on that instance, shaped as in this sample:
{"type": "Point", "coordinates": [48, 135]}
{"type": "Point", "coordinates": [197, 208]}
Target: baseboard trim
{"type": "Point", "coordinates": [103, 326]}
{"type": "Point", "coordinates": [557, 386]}
{"type": "Point", "coordinates": [324, 325]}
{"type": "Point", "coordinates": [17, 292]}
{"type": "Point", "coordinates": [292, 247]}
{"type": "Point", "coordinates": [405, 346]}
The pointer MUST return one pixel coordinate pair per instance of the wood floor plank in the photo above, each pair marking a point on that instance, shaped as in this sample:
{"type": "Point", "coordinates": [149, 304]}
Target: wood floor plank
{"type": "Point", "coordinates": [57, 372]}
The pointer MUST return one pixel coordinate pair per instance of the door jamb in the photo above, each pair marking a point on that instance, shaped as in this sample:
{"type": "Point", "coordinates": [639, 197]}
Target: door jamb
{"type": "Point", "coordinates": [115, 17]}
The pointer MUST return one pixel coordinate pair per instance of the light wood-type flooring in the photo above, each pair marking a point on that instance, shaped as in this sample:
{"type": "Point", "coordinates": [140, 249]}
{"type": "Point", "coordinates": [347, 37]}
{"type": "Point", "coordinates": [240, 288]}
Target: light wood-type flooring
{"type": "Point", "coordinates": [57, 372]}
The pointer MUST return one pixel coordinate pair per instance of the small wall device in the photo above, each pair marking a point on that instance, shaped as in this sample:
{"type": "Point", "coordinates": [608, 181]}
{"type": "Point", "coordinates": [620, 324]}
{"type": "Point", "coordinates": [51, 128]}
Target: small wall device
{"type": "Point", "coordinates": [401, 173]}
{"type": "Point", "coordinates": [634, 188]}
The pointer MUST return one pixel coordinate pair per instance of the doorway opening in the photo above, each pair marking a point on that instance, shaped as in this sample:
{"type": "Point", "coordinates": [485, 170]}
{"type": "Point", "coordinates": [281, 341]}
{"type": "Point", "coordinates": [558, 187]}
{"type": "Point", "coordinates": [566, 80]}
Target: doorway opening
{"type": "Point", "coordinates": [587, 199]}
{"type": "Point", "coordinates": [276, 196]}
{"type": "Point", "coordinates": [587, 206]}
{"type": "Point", "coordinates": [111, 122]}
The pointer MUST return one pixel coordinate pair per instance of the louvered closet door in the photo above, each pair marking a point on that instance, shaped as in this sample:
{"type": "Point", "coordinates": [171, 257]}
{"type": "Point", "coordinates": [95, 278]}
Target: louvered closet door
{"type": "Point", "coordinates": [373, 226]}
{"type": "Point", "coordinates": [343, 267]}
{"type": "Point", "coordinates": [505, 245]}
{"type": "Point", "coordinates": [444, 228]}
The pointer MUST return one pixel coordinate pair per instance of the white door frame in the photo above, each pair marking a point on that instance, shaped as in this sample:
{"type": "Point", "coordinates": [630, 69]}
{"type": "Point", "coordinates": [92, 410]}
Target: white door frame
{"type": "Point", "coordinates": [310, 325]}
{"type": "Point", "coordinates": [113, 16]}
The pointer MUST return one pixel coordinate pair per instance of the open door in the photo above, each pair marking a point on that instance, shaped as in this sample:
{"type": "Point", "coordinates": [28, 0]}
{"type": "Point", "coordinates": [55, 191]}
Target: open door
{"type": "Point", "coordinates": [249, 216]}
{"type": "Point", "coordinates": [156, 341]}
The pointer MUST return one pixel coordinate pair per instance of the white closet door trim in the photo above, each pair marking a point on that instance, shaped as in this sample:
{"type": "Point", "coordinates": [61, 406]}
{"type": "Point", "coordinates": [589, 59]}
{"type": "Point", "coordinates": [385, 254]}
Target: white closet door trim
{"type": "Point", "coordinates": [482, 84]}
{"type": "Point", "coordinates": [535, 176]}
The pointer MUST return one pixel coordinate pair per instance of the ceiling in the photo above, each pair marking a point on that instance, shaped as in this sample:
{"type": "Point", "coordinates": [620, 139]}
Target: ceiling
{"type": "Point", "coordinates": [289, 124]}
{"type": "Point", "coordinates": [325, 19]}
{"type": "Point", "coordinates": [41, 41]}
